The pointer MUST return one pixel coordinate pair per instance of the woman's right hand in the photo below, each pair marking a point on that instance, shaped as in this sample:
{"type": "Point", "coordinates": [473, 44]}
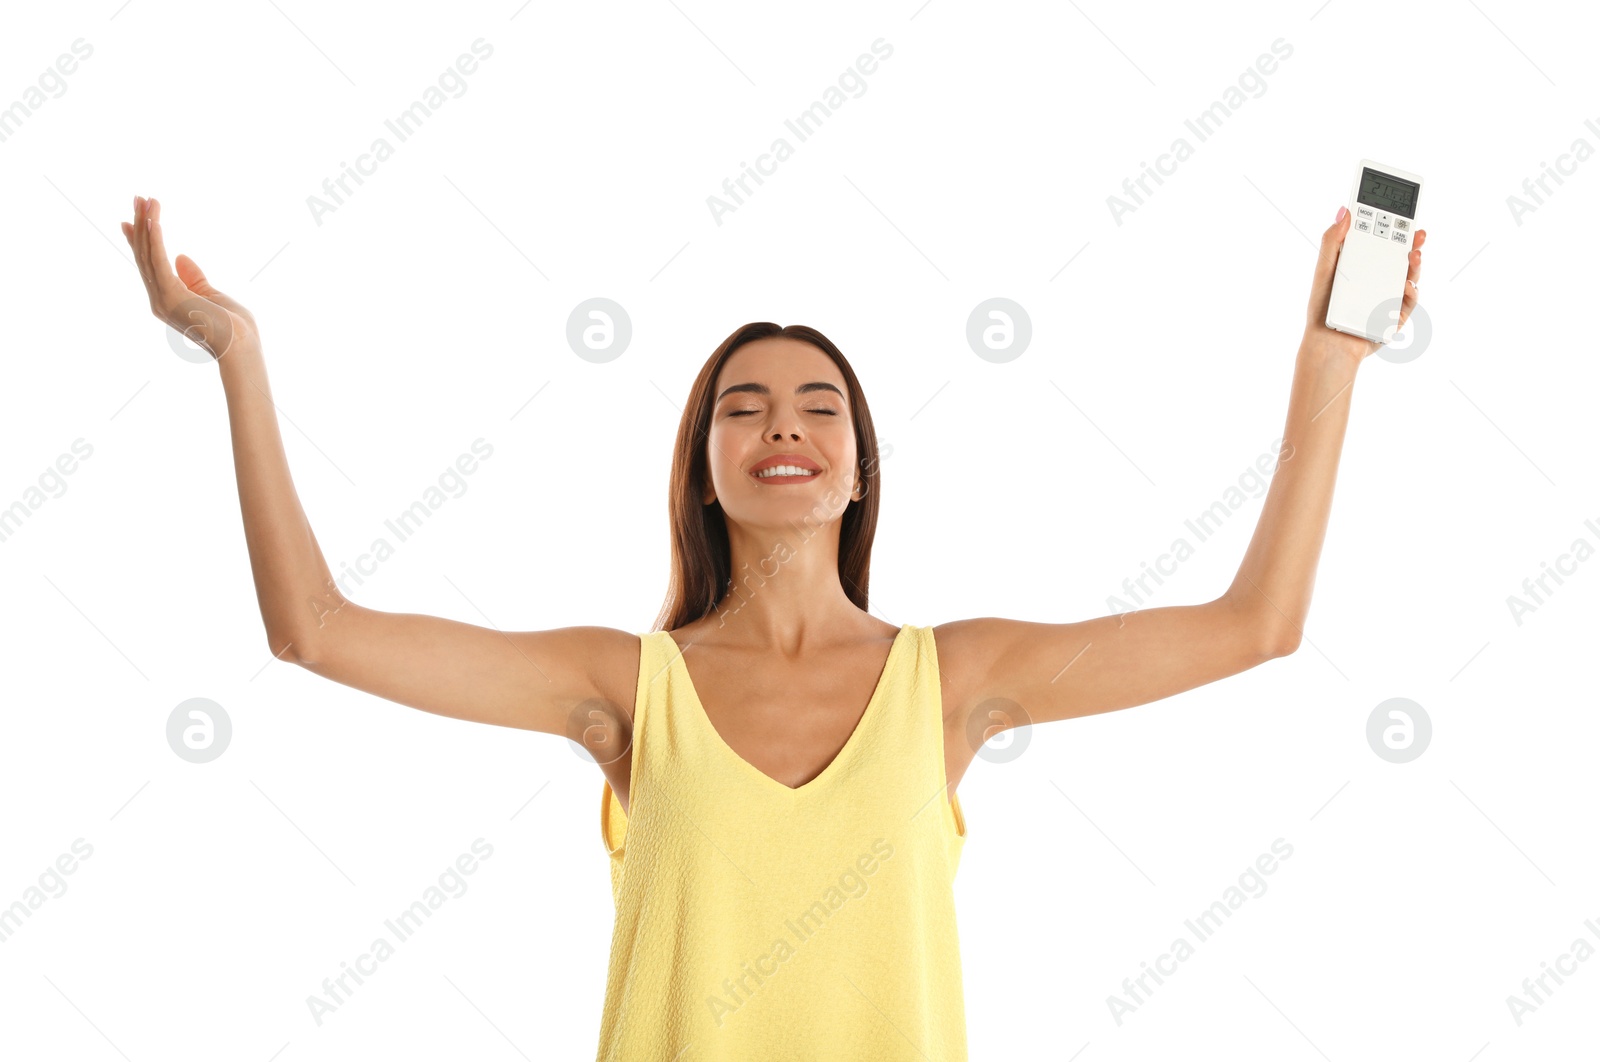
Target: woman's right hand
{"type": "Point", "coordinates": [185, 299]}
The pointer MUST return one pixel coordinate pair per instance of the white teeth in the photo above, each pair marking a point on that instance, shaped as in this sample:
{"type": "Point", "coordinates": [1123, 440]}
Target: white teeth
{"type": "Point", "coordinates": [784, 470]}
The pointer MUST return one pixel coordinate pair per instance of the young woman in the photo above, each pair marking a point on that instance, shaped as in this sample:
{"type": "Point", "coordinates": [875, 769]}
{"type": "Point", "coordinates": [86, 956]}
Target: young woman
{"type": "Point", "coordinates": [782, 825]}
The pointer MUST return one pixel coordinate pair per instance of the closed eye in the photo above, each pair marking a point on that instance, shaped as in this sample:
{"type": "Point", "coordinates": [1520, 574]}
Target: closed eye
{"type": "Point", "coordinates": [752, 412]}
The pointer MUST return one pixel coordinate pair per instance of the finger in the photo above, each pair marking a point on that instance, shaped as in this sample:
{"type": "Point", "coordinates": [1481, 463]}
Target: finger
{"type": "Point", "coordinates": [1413, 291]}
{"type": "Point", "coordinates": [127, 232]}
{"type": "Point", "coordinates": [140, 258]}
{"type": "Point", "coordinates": [167, 281]}
{"type": "Point", "coordinates": [1414, 267]}
{"type": "Point", "coordinates": [1328, 252]}
{"type": "Point", "coordinates": [141, 232]}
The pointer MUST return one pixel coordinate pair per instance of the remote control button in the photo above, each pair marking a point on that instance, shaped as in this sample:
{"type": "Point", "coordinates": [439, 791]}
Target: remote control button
{"type": "Point", "coordinates": [1363, 225]}
{"type": "Point", "coordinates": [1383, 218]}
{"type": "Point", "coordinates": [1398, 237]}
{"type": "Point", "coordinates": [1381, 231]}
{"type": "Point", "coordinates": [1402, 223]}
{"type": "Point", "coordinates": [1363, 212]}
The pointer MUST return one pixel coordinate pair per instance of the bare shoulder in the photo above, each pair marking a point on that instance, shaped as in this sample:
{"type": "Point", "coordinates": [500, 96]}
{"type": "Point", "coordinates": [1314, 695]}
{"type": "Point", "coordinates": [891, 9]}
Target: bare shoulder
{"type": "Point", "coordinates": [967, 649]}
{"type": "Point", "coordinates": [597, 713]}
{"type": "Point", "coordinates": [613, 659]}
{"type": "Point", "coordinates": [990, 665]}
{"type": "Point", "coordinates": [968, 644]}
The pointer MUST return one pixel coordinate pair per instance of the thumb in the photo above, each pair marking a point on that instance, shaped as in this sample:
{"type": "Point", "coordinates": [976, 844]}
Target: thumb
{"type": "Point", "coordinates": [193, 278]}
{"type": "Point", "coordinates": [200, 323]}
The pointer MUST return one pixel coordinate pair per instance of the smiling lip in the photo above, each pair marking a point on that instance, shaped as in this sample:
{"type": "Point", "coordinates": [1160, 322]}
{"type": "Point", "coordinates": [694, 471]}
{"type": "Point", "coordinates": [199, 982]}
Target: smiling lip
{"type": "Point", "coordinates": [797, 460]}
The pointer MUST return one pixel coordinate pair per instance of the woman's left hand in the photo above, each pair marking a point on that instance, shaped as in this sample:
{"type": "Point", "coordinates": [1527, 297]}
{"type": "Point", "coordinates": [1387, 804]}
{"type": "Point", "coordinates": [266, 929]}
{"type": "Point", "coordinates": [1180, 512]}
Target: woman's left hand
{"type": "Point", "coordinates": [1317, 332]}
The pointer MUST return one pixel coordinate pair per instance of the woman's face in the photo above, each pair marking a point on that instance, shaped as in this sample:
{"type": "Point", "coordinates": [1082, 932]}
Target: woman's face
{"type": "Point", "coordinates": [781, 396]}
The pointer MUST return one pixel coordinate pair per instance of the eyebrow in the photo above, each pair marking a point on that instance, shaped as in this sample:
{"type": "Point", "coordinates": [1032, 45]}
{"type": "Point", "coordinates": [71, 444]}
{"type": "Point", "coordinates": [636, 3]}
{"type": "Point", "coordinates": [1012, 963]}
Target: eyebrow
{"type": "Point", "coordinates": [763, 389]}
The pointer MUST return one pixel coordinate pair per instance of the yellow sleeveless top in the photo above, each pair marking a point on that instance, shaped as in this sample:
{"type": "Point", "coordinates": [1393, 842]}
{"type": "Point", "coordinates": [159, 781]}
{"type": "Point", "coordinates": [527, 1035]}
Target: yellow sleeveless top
{"type": "Point", "coordinates": [759, 922]}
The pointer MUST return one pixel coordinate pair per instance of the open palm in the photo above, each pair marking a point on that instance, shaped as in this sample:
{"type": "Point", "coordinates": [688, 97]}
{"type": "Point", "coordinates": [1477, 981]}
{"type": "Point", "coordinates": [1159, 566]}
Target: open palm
{"type": "Point", "coordinates": [184, 298]}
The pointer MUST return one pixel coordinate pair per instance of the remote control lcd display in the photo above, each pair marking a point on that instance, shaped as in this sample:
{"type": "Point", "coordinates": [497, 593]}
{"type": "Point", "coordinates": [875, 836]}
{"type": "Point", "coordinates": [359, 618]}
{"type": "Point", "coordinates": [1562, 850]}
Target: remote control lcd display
{"type": "Point", "coordinates": [1388, 193]}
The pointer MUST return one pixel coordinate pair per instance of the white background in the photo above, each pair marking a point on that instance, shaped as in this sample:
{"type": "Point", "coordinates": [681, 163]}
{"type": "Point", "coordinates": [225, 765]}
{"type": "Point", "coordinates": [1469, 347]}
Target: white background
{"type": "Point", "coordinates": [429, 308]}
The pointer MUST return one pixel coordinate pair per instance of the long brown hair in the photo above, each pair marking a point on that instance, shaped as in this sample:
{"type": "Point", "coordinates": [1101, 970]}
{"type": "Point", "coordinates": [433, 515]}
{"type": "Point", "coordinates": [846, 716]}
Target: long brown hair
{"type": "Point", "coordinates": [701, 558]}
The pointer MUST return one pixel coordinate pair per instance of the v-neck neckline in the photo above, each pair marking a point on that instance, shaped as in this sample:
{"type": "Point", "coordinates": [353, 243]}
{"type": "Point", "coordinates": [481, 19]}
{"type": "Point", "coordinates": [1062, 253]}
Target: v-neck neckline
{"type": "Point", "coordinates": [849, 744]}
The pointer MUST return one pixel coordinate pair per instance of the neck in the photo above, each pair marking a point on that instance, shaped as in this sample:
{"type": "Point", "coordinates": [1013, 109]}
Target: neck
{"type": "Point", "coordinates": [786, 586]}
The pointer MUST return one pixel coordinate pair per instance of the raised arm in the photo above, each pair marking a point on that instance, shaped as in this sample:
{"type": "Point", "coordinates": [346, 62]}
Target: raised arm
{"type": "Point", "coordinates": [1062, 670]}
{"type": "Point", "coordinates": [576, 681]}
